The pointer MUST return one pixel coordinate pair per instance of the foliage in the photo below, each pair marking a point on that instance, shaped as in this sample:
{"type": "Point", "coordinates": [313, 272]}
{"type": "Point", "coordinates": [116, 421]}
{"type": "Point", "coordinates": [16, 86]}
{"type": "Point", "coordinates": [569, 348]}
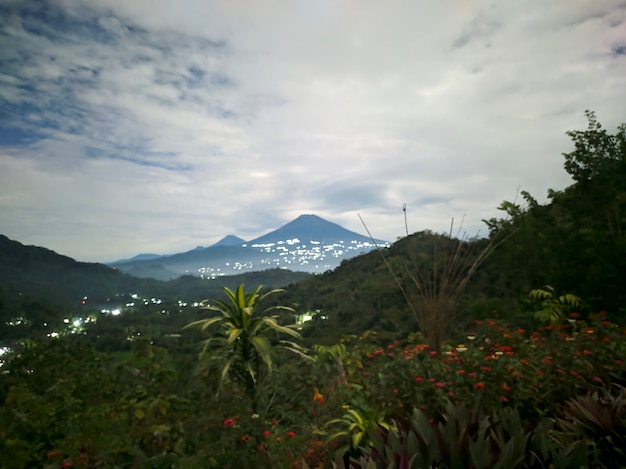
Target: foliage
{"type": "Point", "coordinates": [243, 343]}
{"type": "Point", "coordinates": [554, 309]}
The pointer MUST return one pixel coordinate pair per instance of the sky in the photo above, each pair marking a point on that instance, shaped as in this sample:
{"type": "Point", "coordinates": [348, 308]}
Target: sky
{"type": "Point", "coordinates": [155, 126]}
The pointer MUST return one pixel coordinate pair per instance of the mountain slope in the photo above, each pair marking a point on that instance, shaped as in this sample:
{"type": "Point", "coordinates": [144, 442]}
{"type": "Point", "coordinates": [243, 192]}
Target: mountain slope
{"type": "Point", "coordinates": [310, 228]}
{"type": "Point", "coordinates": [307, 244]}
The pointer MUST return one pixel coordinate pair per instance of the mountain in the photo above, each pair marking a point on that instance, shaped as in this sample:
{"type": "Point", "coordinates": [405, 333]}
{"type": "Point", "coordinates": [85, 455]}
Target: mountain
{"type": "Point", "coordinates": [311, 228]}
{"type": "Point", "coordinates": [229, 240]}
{"type": "Point", "coordinates": [307, 244]}
{"type": "Point", "coordinates": [138, 257]}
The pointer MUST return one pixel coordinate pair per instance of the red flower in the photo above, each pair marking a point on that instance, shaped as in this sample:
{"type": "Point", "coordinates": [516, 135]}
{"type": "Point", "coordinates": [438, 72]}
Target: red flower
{"type": "Point", "coordinates": [439, 384]}
{"type": "Point", "coordinates": [523, 361]}
{"type": "Point", "coordinates": [574, 315]}
{"type": "Point", "coordinates": [504, 399]}
{"type": "Point", "coordinates": [291, 434]}
{"type": "Point", "coordinates": [68, 463]}
{"type": "Point", "coordinates": [246, 438]}
{"type": "Point", "coordinates": [52, 454]}
{"type": "Point", "coordinates": [419, 379]}
{"type": "Point", "coordinates": [266, 433]}
{"type": "Point", "coordinates": [597, 379]}
{"type": "Point", "coordinates": [506, 388]}
{"type": "Point", "coordinates": [229, 422]}
{"type": "Point", "coordinates": [479, 385]}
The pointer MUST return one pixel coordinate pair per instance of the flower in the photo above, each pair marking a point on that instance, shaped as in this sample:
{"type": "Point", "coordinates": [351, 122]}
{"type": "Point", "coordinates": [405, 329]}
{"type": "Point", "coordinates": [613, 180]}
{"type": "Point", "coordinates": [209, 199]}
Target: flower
{"type": "Point", "coordinates": [318, 397]}
{"type": "Point", "coordinates": [291, 434]}
{"type": "Point", "coordinates": [506, 388]}
{"type": "Point", "coordinates": [479, 385]}
{"type": "Point", "coordinates": [246, 438]}
{"type": "Point", "coordinates": [229, 422]}
{"type": "Point", "coordinates": [266, 434]}
{"type": "Point", "coordinates": [52, 454]}
{"type": "Point", "coordinates": [68, 463]}
{"type": "Point", "coordinates": [439, 384]}
{"type": "Point", "coordinates": [504, 399]}
{"type": "Point", "coordinates": [419, 379]}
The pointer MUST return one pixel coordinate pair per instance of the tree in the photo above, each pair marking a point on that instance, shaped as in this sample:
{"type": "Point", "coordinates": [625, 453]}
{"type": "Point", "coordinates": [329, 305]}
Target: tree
{"type": "Point", "coordinates": [243, 342]}
{"type": "Point", "coordinates": [577, 242]}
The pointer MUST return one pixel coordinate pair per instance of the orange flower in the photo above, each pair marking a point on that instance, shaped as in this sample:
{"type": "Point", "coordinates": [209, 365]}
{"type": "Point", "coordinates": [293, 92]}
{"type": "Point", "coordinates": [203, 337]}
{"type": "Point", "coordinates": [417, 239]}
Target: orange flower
{"type": "Point", "coordinates": [318, 397]}
{"type": "Point", "coordinates": [479, 385]}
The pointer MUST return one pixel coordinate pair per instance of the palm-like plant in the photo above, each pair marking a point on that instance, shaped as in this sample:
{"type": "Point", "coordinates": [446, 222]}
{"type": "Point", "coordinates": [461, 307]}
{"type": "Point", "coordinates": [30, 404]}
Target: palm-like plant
{"type": "Point", "coordinates": [243, 342]}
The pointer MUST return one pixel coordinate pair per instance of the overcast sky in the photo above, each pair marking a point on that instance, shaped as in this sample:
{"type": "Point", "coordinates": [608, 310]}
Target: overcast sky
{"type": "Point", "coordinates": [130, 126]}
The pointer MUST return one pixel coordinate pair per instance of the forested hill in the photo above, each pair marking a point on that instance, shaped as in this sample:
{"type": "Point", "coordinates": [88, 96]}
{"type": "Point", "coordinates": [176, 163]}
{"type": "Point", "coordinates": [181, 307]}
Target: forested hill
{"type": "Point", "coordinates": [574, 244]}
{"type": "Point", "coordinates": [40, 285]}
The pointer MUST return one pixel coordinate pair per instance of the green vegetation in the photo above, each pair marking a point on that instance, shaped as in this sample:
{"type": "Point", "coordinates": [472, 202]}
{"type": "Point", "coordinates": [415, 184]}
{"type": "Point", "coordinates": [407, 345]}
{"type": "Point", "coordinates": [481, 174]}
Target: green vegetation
{"type": "Point", "coordinates": [242, 346]}
{"type": "Point", "coordinates": [526, 369]}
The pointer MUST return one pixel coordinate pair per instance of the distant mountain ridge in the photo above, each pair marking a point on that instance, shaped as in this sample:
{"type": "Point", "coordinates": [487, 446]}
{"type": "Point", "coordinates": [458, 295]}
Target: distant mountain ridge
{"type": "Point", "coordinates": [308, 243]}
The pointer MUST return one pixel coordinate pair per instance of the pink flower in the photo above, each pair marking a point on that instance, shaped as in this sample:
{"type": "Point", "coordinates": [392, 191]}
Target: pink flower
{"type": "Point", "coordinates": [439, 384]}
{"type": "Point", "coordinates": [504, 399]}
{"type": "Point", "coordinates": [229, 422]}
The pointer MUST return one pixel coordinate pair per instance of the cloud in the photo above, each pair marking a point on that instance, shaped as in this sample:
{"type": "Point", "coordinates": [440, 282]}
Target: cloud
{"type": "Point", "coordinates": [159, 125]}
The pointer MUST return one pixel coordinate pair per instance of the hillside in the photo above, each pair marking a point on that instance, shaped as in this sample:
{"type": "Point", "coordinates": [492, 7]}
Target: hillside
{"type": "Point", "coordinates": [307, 244]}
{"type": "Point", "coordinates": [41, 286]}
